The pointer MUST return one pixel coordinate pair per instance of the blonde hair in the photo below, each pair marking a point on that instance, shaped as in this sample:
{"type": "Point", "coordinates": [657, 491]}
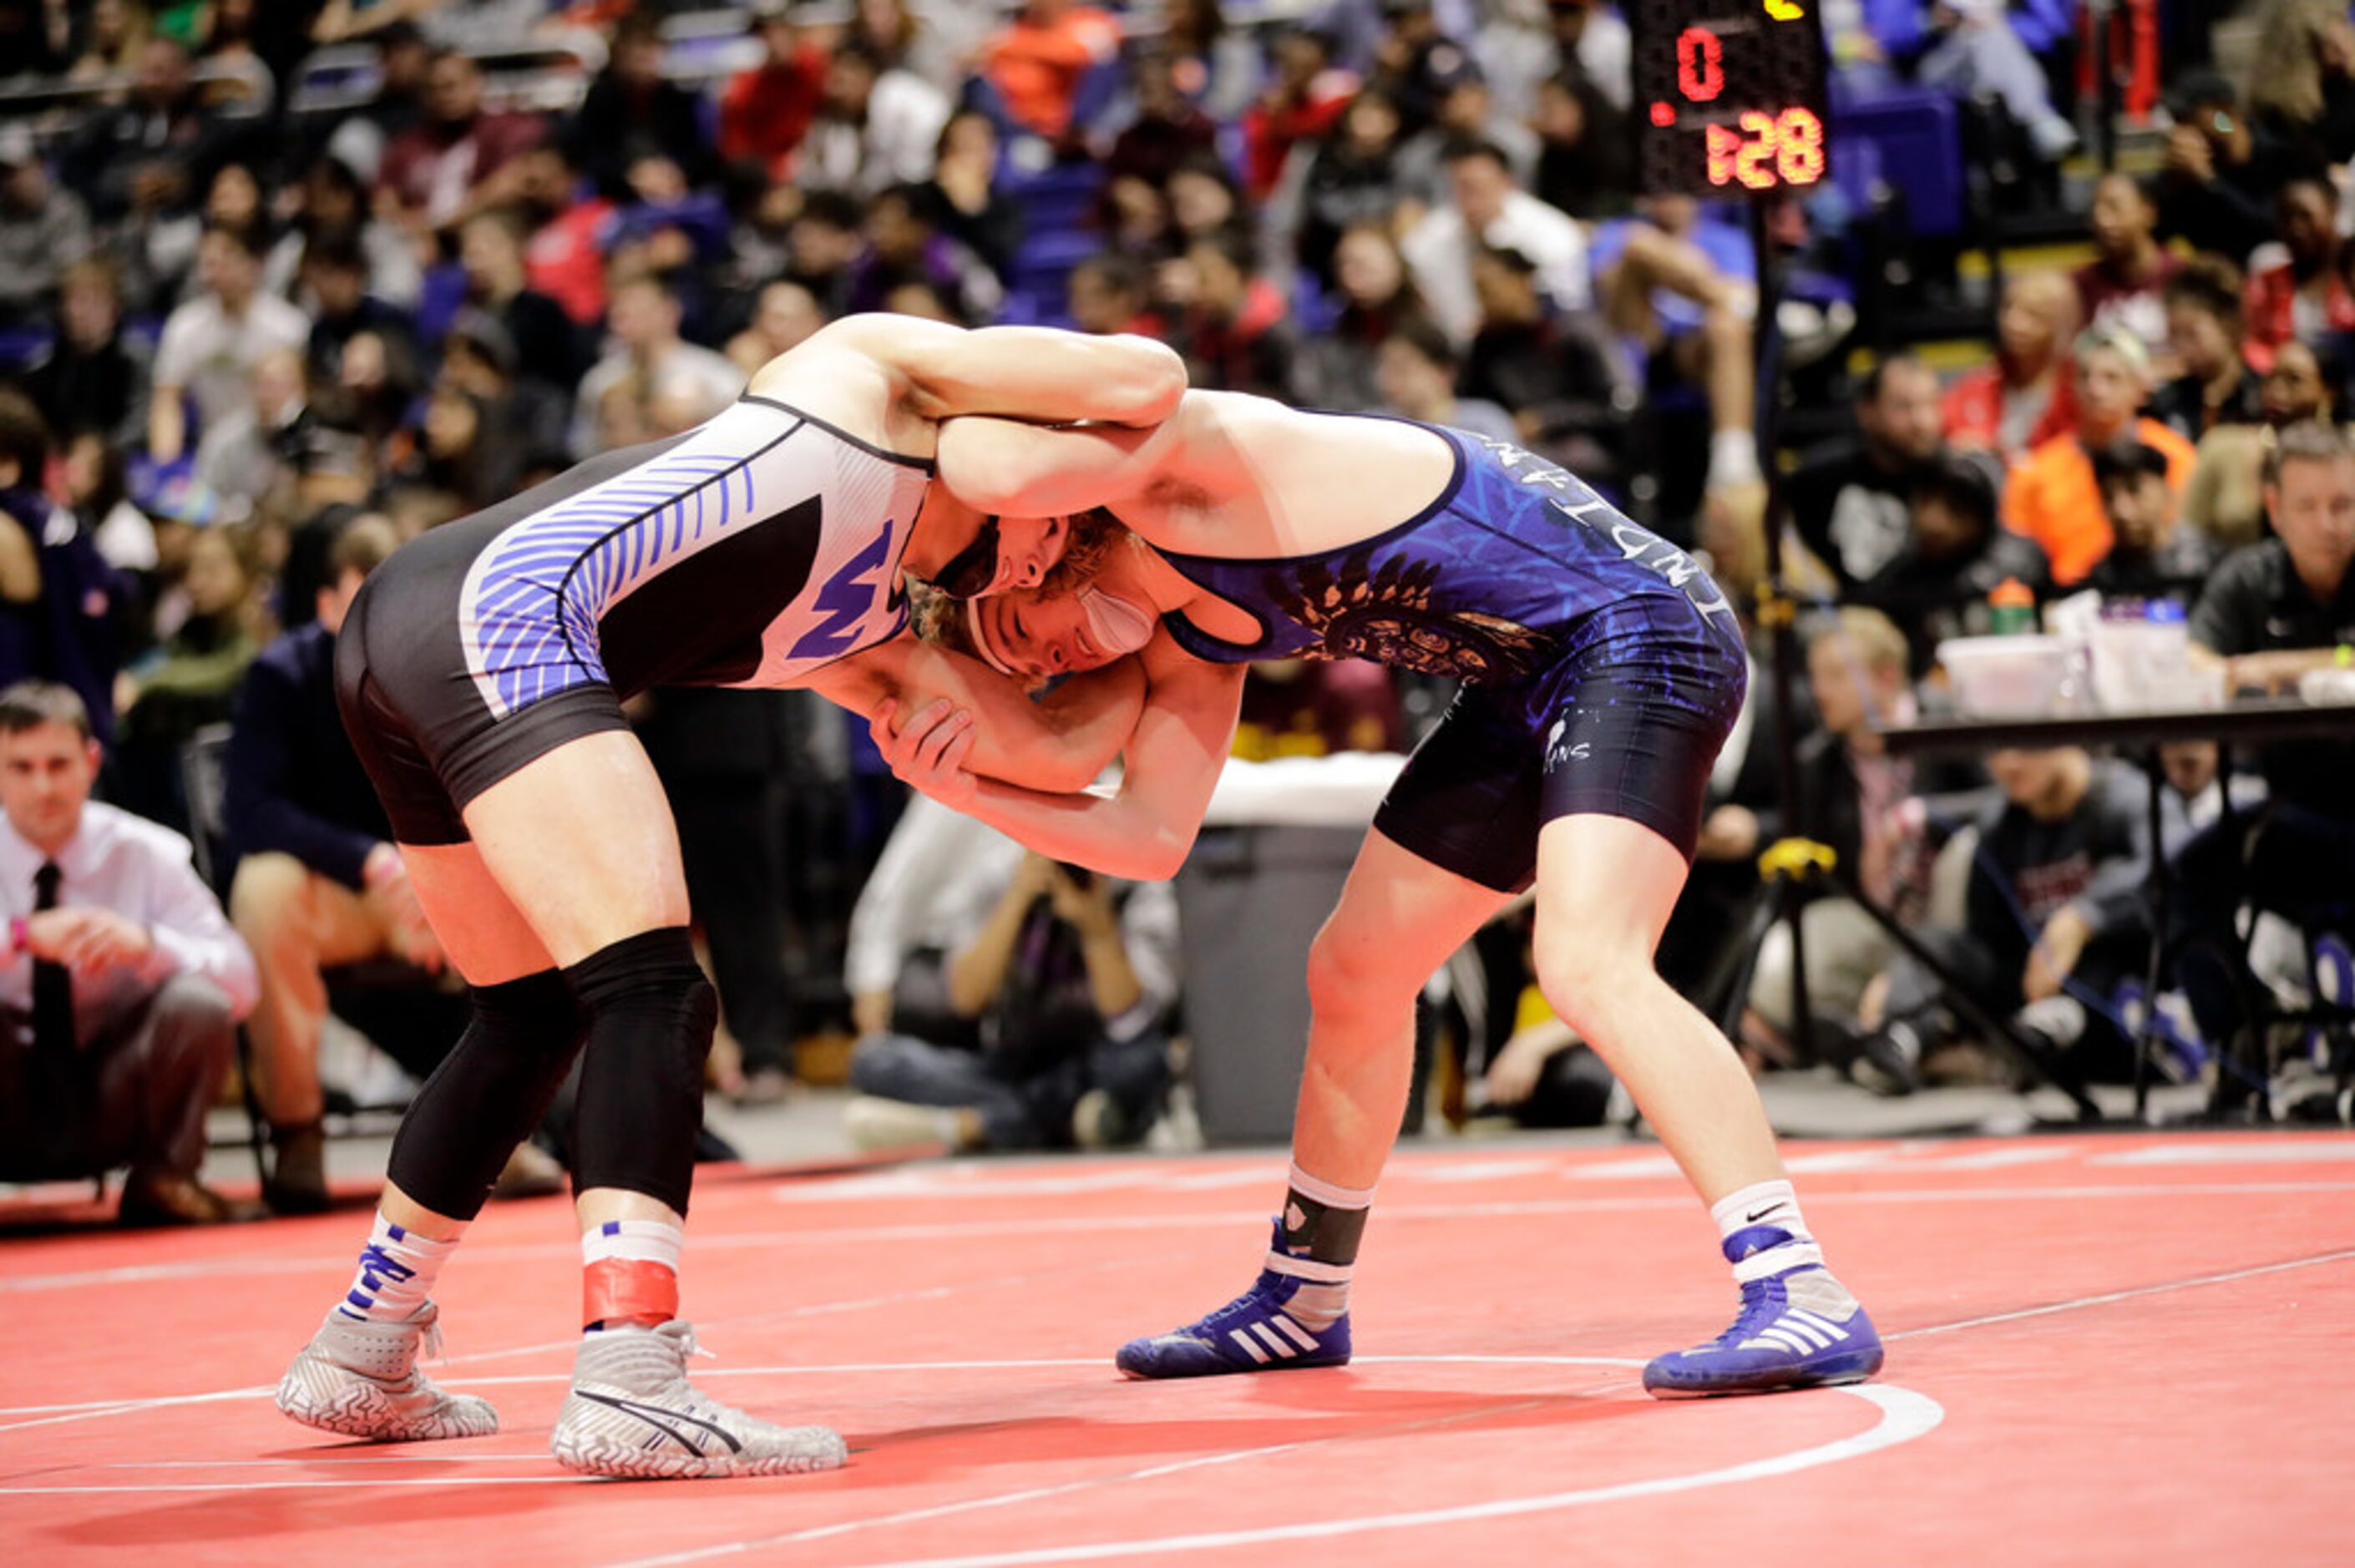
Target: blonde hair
{"type": "Point", "coordinates": [1094, 536]}
{"type": "Point", "coordinates": [938, 620]}
{"type": "Point", "coordinates": [1879, 644]}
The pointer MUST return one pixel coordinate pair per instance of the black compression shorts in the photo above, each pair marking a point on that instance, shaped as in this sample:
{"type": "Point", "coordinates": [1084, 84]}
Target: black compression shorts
{"type": "Point", "coordinates": [1628, 723]}
{"type": "Point", "coordinates": [752, 550]}
{"type": "Point", "coordinates": [416, 716]}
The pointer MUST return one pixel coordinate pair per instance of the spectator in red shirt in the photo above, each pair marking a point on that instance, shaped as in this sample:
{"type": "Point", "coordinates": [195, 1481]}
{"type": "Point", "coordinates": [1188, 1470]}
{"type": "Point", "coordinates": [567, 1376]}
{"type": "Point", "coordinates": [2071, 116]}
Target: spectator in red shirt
{"type": "Point", "coordinates": [2298, 286]}
{"type": "Point", "coordinates": [766, 111]}
{"type": "Point", "coordinates": [1301, 104]}
{"type": "Point", "coordinates": [436, 171]}
{"type": "Point", "coordinates": [564, 258]}
{"type": "Point", "coordinates": [1036, 62]}
{"type": "Point", "coordinates": [2124, 285]}
{"type": "Point", "coordinates": [2026, 397]}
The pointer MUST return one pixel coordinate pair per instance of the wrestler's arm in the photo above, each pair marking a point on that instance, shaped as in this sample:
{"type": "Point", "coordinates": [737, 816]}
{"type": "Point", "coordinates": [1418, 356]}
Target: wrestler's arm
{"type": "Point", "coordinates": [1015, 470]}
{"type": "Point", "coordinates": [1058, 743]}
{"type": "Point", "coordinates": [1023, 373]}
{"type": "Point", "coordinates": [1190, 463]}
{"type": "Point", "coordinates": [1169, 767]}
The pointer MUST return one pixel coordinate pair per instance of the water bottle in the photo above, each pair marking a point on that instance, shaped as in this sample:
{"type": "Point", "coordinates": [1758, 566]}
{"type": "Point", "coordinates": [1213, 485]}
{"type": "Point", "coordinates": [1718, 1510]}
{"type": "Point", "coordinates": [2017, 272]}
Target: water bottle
{"type": "Point", "coordinates": [2011, 609]}
{"type": "Point", "coordinates": [2168, 677]}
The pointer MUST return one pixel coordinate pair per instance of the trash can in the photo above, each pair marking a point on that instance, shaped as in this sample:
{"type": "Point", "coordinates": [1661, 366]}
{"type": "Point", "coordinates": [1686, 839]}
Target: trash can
{"type": "Point", "coordinates": [1249, 900]}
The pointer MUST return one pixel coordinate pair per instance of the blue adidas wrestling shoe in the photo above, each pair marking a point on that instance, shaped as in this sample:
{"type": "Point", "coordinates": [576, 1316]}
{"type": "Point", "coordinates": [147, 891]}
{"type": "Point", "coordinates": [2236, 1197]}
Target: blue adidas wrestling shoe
{"type": "Point", "coordinates": [1799, 1327]}
{"type": "Point", "coordinates": [1254, 1333]}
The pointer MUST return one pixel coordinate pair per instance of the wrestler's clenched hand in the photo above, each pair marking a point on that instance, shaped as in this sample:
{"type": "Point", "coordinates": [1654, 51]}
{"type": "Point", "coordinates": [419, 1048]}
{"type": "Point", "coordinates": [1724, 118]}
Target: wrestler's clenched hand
{"type": "Point", "coordinates": [928, 753]}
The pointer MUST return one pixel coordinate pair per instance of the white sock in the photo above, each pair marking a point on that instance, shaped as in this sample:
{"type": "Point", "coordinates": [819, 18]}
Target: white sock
{"type": "Point", "coordinates": [1799, 1261]}
{"type": "Point", "coordinates": [397, 1269]}
{"type": "Point", "coordinates": [1766, 1204]}
{"type": "Point", "coordinates": [633, 1241]}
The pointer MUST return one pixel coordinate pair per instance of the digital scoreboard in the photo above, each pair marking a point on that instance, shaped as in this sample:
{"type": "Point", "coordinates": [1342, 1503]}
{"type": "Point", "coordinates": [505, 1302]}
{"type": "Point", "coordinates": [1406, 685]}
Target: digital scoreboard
{"type": "Point", "coordinates": [1729, 96]}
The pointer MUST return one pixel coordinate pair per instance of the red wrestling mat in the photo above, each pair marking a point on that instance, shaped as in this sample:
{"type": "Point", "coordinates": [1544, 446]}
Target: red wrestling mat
{"type": "Point", "coordinates": [2101, 1349]}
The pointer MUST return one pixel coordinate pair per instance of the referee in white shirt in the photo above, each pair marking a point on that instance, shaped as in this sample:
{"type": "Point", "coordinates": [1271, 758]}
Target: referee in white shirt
{"type": "Point", "coordinates": [122, 982]}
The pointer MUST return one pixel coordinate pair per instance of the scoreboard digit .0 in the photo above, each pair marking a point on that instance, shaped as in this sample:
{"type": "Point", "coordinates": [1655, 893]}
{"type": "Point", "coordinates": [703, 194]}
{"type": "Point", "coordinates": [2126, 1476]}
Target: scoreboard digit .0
{"type": "Point", "coordinates": [1729, 96]}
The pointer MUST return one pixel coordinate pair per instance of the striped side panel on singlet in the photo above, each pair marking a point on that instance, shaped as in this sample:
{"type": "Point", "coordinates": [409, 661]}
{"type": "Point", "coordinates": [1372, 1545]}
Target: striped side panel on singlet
{"type": "Point", "coordinates": [533, 599]}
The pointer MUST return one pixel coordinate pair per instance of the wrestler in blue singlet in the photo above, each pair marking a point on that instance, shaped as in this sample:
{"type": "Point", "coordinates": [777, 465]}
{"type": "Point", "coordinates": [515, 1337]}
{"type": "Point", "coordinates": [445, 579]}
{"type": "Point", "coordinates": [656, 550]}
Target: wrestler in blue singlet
{"type": "Point", "coordinates": [1603, 669]}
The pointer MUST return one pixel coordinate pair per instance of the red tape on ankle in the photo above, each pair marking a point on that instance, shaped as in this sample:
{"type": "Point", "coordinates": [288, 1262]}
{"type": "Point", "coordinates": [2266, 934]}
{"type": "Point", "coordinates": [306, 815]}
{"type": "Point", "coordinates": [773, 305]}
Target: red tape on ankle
{"type": "Point", "coordinates": [628, 1290]}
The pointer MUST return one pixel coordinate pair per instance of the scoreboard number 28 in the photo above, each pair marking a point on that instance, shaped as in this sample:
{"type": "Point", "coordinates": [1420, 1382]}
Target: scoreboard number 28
{"type": "Point", "coordinates": [1732, 94]}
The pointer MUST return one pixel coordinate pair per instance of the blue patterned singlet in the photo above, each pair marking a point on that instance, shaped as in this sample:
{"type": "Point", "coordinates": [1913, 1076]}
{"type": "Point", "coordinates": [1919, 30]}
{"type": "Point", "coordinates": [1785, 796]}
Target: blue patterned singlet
{"type": "Point", "coordinates": [1517, 564]}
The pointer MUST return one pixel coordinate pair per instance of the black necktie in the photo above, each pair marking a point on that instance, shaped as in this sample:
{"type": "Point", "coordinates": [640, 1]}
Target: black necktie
{"type": "Point", "coordinates": [53, 1014]}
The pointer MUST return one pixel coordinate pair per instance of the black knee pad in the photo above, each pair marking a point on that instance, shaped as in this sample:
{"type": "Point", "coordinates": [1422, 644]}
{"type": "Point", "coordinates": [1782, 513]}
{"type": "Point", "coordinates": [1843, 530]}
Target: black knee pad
{"type": "Point", "coordinates": [650, 1018]}
{"type": "Point", "coordinates": [487, 1094]}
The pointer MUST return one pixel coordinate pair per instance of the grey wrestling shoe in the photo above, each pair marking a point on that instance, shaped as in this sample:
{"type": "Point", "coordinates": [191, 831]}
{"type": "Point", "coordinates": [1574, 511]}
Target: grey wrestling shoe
{"type": "Point", "coordinates": [360, 1379]}
{"type": "Point", "coordinates": [632, 1413]}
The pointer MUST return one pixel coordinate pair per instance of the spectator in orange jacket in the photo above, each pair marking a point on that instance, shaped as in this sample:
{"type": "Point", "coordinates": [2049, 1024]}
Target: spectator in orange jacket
{"type": "Point", "coordinates": [2053, 497]}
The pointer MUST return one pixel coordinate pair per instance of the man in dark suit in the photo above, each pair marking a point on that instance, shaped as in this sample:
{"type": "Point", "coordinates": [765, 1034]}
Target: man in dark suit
{"type": "Point", "coordinates": [318, 883]}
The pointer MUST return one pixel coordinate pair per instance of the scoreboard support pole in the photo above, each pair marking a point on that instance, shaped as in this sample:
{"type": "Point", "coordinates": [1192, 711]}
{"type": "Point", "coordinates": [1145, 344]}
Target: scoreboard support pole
{"type": "Point", "coordinates": [1786, 876]}
{"type": "Point", "coordinates": [1733, 101]}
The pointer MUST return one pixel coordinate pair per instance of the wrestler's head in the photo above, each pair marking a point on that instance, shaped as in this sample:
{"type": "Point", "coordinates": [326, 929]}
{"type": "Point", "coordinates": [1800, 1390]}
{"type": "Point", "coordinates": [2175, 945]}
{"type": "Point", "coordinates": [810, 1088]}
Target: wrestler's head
{"type": "Point", "coordinates": [1086, 611]}
{"type": "Point", "coordinates": [1003, 553]}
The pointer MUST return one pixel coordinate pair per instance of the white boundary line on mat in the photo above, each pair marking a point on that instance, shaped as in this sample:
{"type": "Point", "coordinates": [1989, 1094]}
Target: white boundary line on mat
{"type": "Point", "coordinates": [1904, 1415]}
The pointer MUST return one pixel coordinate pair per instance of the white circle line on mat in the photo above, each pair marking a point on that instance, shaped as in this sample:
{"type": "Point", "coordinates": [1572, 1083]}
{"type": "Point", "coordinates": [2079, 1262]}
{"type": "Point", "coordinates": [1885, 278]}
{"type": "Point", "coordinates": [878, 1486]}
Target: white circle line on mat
{"type": "Point", "coordinates": [1904, 1414]}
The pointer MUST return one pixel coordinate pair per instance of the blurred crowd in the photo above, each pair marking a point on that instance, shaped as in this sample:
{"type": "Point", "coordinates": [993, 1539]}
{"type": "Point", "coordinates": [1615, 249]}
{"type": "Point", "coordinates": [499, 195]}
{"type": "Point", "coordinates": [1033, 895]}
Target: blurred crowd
{"type": "Point", "coordinates": [285, 285]}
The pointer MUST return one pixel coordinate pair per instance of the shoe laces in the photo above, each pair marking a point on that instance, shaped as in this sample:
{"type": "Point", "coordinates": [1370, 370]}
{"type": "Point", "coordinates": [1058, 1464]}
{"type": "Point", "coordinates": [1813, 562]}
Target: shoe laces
{"type": "Point", "coordinates": [675, 1343]}
{"type": "Point", "coordinates": [1763, 1302]}
{"type": "Point", "coordinates": [428, 1347]}
{"type": "Point", "coordinates": [702, 1404]}
{"type": "Point", "coordinates": [1266, 1297]}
